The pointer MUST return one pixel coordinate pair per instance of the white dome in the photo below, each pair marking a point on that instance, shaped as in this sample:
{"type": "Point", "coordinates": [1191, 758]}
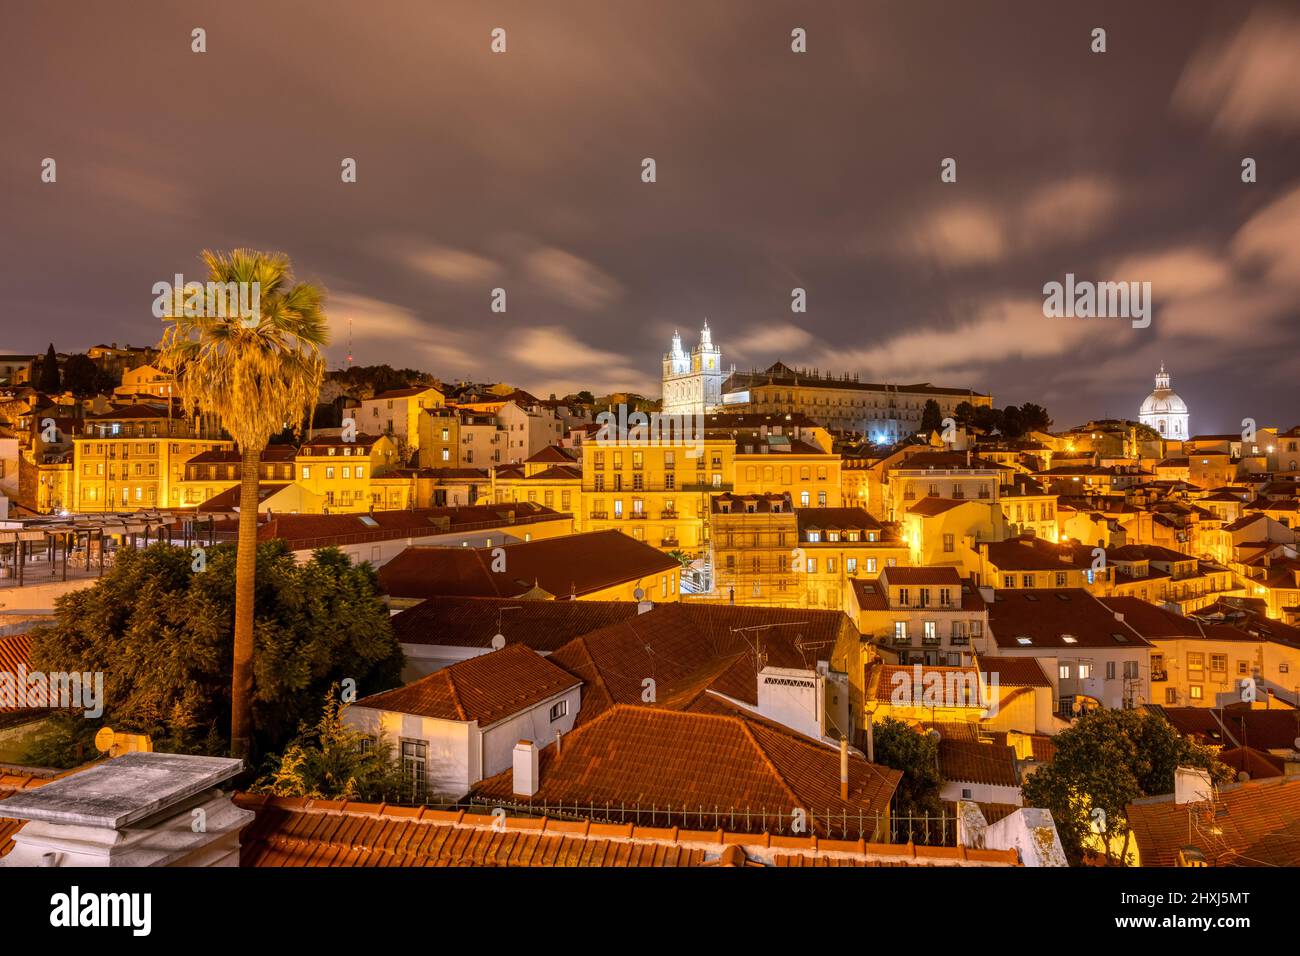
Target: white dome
{"type": "Point", "coordinates": [1164, 402]}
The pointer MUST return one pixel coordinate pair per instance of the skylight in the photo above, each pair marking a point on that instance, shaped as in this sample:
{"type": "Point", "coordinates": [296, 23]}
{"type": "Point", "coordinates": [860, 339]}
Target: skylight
{"type": "Point", "coordinates": [1023, 640]}
{"type": "Point", "coordinates": [369, 522]}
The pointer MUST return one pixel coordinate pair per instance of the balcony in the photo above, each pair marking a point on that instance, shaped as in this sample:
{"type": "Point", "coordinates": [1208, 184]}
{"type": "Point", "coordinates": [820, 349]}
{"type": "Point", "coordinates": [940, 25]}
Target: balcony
{"type": "Point", "coordinates": [600, 515]}
{"type": "Point", "coordinates": [669, 543]}
{"type": "Point", "coordinates": [668, 514]}
{"type": "Point", "coordinates": [639, 515]}
{"type": "Point", "coordinates": [706, 486]}
{"type": "Point", "coordinates": [1158, 677]}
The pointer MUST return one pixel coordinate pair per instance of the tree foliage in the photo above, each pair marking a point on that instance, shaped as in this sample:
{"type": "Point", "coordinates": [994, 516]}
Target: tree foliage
{"type": "Point", "coordinates": [931, 417]}
{"type": "Point", "coordinates": [162, 635]}
{"type": "Point", "coordinates": [327, 761]}
{"type": "Point", "coordinates": [83, 376]}
{"type": "Point", "coordinates": [1014, 421]}
{"type": "Point", "coordinates": [1105, 761]}
{"type": "Point", "coordinates": [49, 380]}
{"type": "Point", "coordinates": [898, 746]}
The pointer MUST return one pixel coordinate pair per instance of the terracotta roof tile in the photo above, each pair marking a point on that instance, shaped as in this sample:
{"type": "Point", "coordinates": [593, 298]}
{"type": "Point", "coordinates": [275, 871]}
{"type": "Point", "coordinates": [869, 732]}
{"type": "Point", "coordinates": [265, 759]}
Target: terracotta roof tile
{"type": "Point", "coordinates": [475, 621]}
{"type": "Point", "coordinates": [575, 564]}
{"type": "Point", "coordinates": [1249, 824]}
{"type": "Point", "coordinates": [487, 688]}
{"type": "Point", "coordinates": [644, 756]}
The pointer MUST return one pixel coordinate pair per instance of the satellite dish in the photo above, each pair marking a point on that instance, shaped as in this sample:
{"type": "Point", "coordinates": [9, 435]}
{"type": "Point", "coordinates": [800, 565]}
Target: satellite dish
{"type": "Point", "coordinates": [638, 594]}
{"type": "Point", "coordinates": [1297, 743]}
{"type": "Point", "coordinates": [498, 642]}
{"type": "Point", "coordinates": [934, 732]}
{"type": "Point", "coordinates": [1242, 777]}
{"type": "Point", "coordinates": [104, 739]}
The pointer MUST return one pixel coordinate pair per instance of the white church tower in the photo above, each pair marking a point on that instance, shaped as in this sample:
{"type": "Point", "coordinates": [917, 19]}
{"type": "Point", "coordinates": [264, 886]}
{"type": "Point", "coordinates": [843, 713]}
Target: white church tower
{"type": "Point", "coordinates": [692, 384]}
{"type": "Point", "coordinates": [1165, 411]}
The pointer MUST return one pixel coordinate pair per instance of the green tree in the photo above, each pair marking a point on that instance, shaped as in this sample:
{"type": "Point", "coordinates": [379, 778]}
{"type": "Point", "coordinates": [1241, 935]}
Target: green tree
{"type": "Point", "coordinates": [82, 376]}
{"type": "Point", "coordinates": [915, 754]}
{"type": "Point", "coordinates": [254, 378]}
{"type": "Point", "coordinates": [162, 635]}
{"type": "Point", "coordinates": [1034, 418]}
{"type": "Point", "coordinates": [331, 761]}
{"type": "Point", "coordinates": [49, 380]}
{"type": "Point", "coordinates": [931, 417]}
{"type": "Point", "coordinates": [1104, 762]}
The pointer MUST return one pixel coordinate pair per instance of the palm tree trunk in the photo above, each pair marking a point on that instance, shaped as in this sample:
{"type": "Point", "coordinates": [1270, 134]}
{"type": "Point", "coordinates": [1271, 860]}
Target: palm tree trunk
{"type": "Point", "coordinates": [241, 691]}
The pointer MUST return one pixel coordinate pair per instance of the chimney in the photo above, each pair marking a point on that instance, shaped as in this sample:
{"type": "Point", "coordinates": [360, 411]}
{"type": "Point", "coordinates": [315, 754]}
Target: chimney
{"type": "Point", "coordinates": [844, 768]}
{"type": "Point", "coordinates": [559, 740]}
{"type": "Point", "coordinates": [524, 774]}
{"type": "Point", "coordinates": [871, 740]}
{"type": "Point", "coordinates": [1192, 785]}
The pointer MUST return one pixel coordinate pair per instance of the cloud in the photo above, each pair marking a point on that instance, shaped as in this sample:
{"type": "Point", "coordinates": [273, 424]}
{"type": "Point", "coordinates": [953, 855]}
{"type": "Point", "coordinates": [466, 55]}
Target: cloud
{"type": "Point", "coordinates": [575, 364]}
{"type": "Point", "coordinates": [449, 265]}
{"type": "Point", "coordinates": [1002, 329]}
{"type": "Point", "coordinates": [1271, 238]}
{"type": "Point", "coordinates": [969, 233]}
{"type": "Point", "coordinates": [965, 234]}
{"type": "Point", "coordinates": [1248, 82]}
{"type": "Point", "coordinates": [571, 279]}
{"type": "Point", "coordinates": [771, 340]}
{"type": "Point", "coordinates": [1068, 210]}
{"type": "Point", "coordinates": [383, 332]}
{"type": "Point", "coordinates": [1178, 273]}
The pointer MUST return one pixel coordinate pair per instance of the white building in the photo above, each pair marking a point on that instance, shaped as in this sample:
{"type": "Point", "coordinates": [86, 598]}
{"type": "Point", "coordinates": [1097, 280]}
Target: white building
{"type": "Point", "coordinates": [1164, 411]}
{"type": "Point", "coordinates": [692, 384]}
{"type": "Point", "coordinates": [460, 724]}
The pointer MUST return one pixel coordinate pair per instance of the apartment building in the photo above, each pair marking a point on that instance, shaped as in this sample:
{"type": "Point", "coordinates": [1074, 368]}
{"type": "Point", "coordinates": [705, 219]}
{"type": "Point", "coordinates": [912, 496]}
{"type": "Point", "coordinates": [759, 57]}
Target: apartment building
{"type": "Point", "coordinates": [134, 456]}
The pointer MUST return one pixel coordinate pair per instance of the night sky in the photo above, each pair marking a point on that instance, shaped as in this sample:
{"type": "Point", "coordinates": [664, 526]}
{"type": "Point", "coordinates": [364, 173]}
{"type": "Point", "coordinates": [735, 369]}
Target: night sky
{"type": "Point", "coordinates": [819, 170]}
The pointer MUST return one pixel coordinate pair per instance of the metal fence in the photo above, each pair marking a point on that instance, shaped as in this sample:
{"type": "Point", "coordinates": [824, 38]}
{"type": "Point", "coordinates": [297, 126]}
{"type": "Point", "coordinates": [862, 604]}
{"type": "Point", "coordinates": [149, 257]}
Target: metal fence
{"type": "Point", "coordinates": [938, 829]}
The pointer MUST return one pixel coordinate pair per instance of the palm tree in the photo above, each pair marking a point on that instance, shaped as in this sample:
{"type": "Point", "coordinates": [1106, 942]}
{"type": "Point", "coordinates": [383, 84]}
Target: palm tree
{"type": "Point", "coordinates": [256, 376]}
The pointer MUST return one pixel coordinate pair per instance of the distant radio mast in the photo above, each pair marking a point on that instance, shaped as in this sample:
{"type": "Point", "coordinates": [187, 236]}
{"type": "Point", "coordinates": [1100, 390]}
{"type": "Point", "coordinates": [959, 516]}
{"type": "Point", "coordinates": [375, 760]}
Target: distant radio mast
{"type": "Point", "coordinates": [349, 342]}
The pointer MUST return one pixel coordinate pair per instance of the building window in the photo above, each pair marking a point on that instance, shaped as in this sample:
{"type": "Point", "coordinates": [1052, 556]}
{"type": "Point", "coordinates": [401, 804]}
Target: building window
{"type": "Point", "coordinates": [415, 763]}
{"type": "Point", "coordinates": [1195, 691]}
{"type": "Point", "coordinates": [1063, 672]}
{"type": "Point", "coordinates": [947, 544]}
{"type": "Point", "coordinates": [559, 709]}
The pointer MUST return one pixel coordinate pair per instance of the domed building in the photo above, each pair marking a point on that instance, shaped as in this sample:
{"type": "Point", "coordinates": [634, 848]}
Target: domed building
{"type": "Point", "coordinates": [1164, 411]}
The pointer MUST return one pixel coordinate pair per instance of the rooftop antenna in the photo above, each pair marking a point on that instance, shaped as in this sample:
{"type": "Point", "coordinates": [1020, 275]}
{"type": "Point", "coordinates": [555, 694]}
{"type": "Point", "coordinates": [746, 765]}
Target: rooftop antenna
{"type": "Point", "coordinates": [349, 342]}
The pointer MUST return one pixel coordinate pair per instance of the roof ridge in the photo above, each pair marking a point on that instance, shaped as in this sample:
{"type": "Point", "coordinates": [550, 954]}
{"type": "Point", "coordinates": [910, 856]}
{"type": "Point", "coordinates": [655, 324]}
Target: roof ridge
{"type": "Point", "coordinates": [762, 752]}
{"type": "Point", "coordinates": [455, 693]}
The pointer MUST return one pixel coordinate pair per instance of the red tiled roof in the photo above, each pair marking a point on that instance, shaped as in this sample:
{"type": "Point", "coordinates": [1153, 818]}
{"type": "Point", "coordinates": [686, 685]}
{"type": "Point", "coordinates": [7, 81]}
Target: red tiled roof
{"type": "Point", "coordinates": [675, 644]}
{"type": "Point", "coordinates": [575, 564]}
{"type": "Point", "coordinates": [1259, 764]}
{"type": "Point", "coordinates": [1047, 615]}
{"type": "Point", "coordinates": [486, 688]}
{"type": "Point", "coordinates": [316, 531]}
{"type": "Point", "coordinates": [920, 576]}
{"type": "Point", "coordinates": [296, 832]}
{"type": "Point", "coordinates": [474, 621]}
{"type": "Point", "coordinates": [1014, 671]}
{"type": "Point", "coordinates": [1151, 621]}
{"type": "Point", "coordinates": [14, 653]}
{"type": "Point", "coordinates": [228, 500]}
{"type": "Point", "coordinates": [643, 756]}
{"type": "Point", "coordinates": [959, 686]}
{"type": "Point", "coordinates": [968, 761]}
{"type": "Point", "coordinates": [553, 454]}
{"type": "Point", "coordinates": [1276, 729]}
{"type": "Point", "coordinates": [1250, 824]}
